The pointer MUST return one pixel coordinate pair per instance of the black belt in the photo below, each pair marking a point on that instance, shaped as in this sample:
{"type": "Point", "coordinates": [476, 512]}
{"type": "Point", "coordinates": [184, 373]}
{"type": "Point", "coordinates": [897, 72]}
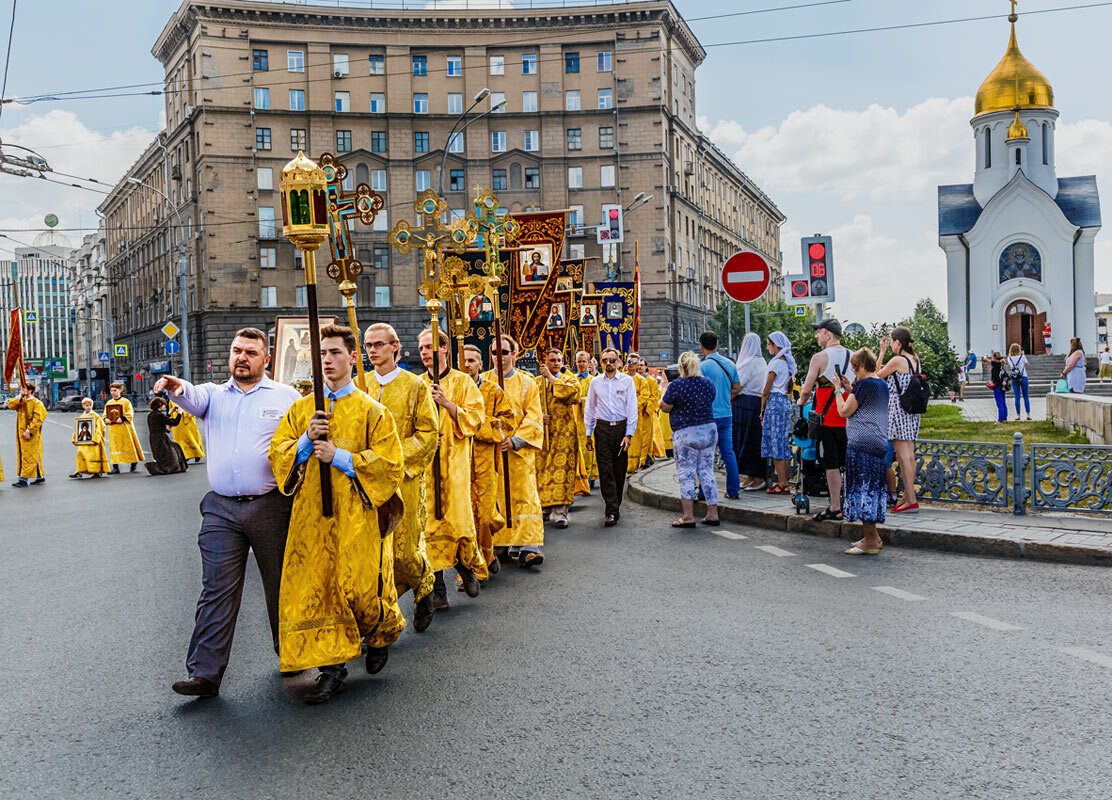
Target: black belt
{"type": "Point", "coordinates": [608, 422]}
{"type": "Point", "coordinates": [249, 498]}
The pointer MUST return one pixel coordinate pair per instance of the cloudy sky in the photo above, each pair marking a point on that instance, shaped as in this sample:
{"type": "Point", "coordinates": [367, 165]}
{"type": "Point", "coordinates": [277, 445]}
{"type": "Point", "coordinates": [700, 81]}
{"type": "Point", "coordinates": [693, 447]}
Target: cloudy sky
{"type": "Point", "coordinates": [849, 134]}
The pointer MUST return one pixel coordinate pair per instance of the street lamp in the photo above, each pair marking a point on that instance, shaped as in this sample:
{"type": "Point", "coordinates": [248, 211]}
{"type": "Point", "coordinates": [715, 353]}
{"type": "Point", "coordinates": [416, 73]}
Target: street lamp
{"type": "Point", "coordinates": [181, 276]}
{"type": "Point", "coordinates": [480, 96]}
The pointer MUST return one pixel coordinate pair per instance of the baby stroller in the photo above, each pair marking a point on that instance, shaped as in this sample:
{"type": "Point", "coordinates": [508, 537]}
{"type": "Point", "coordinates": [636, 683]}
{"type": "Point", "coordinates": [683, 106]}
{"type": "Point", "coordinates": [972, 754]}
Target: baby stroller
{"type": "Point", "coordinates": [810, 479]}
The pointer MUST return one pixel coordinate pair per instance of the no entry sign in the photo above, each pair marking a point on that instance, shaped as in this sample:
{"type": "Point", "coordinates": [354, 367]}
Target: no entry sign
{"type": "Point", "coordinates": [745, 276]}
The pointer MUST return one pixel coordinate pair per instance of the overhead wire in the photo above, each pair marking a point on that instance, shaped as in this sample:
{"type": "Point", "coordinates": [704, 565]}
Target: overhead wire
{"type": "Point", "coordinates": [8, 58]}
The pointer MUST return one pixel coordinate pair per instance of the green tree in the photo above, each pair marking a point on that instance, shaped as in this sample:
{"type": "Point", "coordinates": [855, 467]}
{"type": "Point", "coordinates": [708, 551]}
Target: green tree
{"type": "Point", "coordinates": [766, 317]}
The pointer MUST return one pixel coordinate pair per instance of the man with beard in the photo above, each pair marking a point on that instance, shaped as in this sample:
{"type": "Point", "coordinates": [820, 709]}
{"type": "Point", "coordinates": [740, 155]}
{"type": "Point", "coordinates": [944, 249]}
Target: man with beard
{"type": "Point", "coordinates": [558, 458]}
{"type": "Point", "coordinates": [586, 470]}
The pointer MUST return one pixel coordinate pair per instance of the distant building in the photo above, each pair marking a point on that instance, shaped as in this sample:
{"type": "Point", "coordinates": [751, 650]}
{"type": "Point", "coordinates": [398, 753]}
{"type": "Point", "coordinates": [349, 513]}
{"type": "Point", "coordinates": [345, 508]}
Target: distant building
{"type": "Point", "coordinates": [1103, 313]}
{"type": "Point", "coordinates": [89, 300]}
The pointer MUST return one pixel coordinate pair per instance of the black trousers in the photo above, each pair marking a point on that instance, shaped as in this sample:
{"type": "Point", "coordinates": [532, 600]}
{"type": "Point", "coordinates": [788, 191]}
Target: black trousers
{"type": "Point", "coordinates": [612, 461]}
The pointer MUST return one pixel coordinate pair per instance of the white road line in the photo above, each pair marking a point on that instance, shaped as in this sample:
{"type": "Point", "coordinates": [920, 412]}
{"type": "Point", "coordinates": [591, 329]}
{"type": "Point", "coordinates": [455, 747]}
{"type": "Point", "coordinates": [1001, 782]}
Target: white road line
{"type": "Point", "coordinates": [834, 572]}
{"type": "Point", "coordinates": [730, 535]}
{"type": "Point", "coordinates": [774, 551]}
{"type": "Point", "coordinates": [1089, 655]}
{"type": "Point", "coordinates": [900, 593]}
{"type": "Point", "coordinates": [988, 622]}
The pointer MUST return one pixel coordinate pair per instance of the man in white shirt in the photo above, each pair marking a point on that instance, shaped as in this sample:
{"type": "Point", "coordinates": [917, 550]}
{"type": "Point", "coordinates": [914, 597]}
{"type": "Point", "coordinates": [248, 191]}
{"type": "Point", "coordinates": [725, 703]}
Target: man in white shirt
{"type": "Point", "coordinates": [610, 419]}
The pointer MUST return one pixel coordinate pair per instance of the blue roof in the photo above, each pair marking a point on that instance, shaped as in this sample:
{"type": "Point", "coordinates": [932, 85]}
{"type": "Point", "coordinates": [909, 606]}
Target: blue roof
{"type": "Point", "coordinates": [958, 209]}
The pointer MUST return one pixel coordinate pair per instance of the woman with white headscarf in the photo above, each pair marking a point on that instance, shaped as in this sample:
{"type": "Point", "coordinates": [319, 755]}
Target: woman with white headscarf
{"type": "Point", "coordinates": [776, 409]}
{"type": "Point", "coordinates": [751, 370]}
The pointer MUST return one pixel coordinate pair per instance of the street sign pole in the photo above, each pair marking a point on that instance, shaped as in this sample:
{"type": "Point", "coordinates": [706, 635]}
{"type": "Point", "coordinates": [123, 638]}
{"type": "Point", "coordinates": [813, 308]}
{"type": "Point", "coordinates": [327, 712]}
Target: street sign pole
{"type": "Point", "coordinates": [747, 326]}
{"type": "Point", "coordinates": [730, 326]}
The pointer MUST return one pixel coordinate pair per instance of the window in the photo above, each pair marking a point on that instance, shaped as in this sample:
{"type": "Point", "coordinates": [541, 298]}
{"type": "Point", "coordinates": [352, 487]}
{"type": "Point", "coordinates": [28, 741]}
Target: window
{"type": "Point", "coordinates": [266, 222]}
{"type": "Point", "coordinates": [575, 177]}
{"type": "Point", "coordinates": [528, 63]}
{"type": "Point", "coordinates": [603, 59]}
{"type": "Point", "coordinates": [606, 138]}
{"type": "Point", "coordinates": [606, 174]}
{"type": "Point", "coordinates": [378, 141]}
{"type": "Point", "coordinates": [348, 183]}
{"type": "Point", "coordinates": [575, 139]}
{"type": "Point", "coordinates": [575, 216]}
{"type": "Point", "coordinates": [499, 178]}
{"type": "Point", "coordinates": [576, 251]}
{"type": "Point", "coordinates": [571, 62]}
{"type": "Point", "coordinates": [455, 104]}
{"type": "Point", "coordinates": [532, 141]}
{"type": "Point", "coordinates": [343, 101]}
{"type": "Point", "coordinates": [497, 98]}
{"type": "Point", "coordinates": [382, 297]}
{"type": "Point", "coordinates": [268, 258]}
{"type": "Point", "coordinates": [377, 65]}
{"type": "Point", "coordinates": [378, 103]}
{"type": "Point", "coordinates": [262, 98]}
{"type": "Point", "coordinates": [455, 66]}
{"type": "Point", "coordinates": [420, 66]}
{"type": "Point", "coordinates": [1046, 144]}
{"type": "Point", "coordinates": [498, 141]}
{"type": "Point", "coordinates": [532, 178]}
{"type": "Point", "coordinates": [269, 298]}
{"type": "Point", "coordinates": [262, 138]}
{"type": "Point", "coordinates": [529, 101]}
{"type": "Point", "coordinates": [266, 178]}
{"type": "Point", "coordinates": [259, 60]}
{"type": "Point", "coordinates": [421, 141]}
{"type": "Point", "coordinates": [382, 258]}
{"type": "Point", "coordinates": [455, 180]}
{"type": "Point", "coordinates": [571, 101]}
{"type": "Point", "coordinates": [339, 64]}
{"type": "Point", "coordinates": [423, 181]}
{"type": "Point", "coordinates": [605, 98]}
{"type": "Point", "coordinates": [300, 297]}
{"type": "Point", "coordinates": [381, 223]}
{"type": "Point", "coordinates": [1018, 157]}
{"type": "Point", "coordinates": [343, 141]}
{"type": "Point", "coordinates": [378, 180]}
{"type": "Point", "coordinates": [297, 99]}
{"type": "Point", "coordinates": [497, 65]}
{"type": "Point", "coordinates": [295, 61]}
{"type": "Point", "coordinates": [455, 144]}
{"type": "Point", "coordinates": [297, 139]}
{"type": "Point", "coordinates": [420, 104]}
{"type": "Point", "coordinates": [361, 174]}
{"type": "Point", "coordinates": [988, 149]}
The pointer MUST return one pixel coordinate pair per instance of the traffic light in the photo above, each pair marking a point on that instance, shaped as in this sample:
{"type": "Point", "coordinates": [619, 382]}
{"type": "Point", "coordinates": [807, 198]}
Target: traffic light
{"type": "Point", "coordinates": [818, 274]}
{"type": "Point", "coordinates": [611, 229]}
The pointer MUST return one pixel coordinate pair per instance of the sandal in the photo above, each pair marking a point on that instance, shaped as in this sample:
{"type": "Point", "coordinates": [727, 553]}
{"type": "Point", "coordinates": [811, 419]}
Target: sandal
{"type": "Point", "coordinates": [857, 544]}
{"type": "Point", "coordinates": [714, 523]}
{"type": "Point", "coordinates": [681, 524]}
{"type": "Point", "coordinates": [857, 551]}
{"type": "Point", "coordinates": [779, 490]}
{"type": "Point", "coordinates": [823, 516]}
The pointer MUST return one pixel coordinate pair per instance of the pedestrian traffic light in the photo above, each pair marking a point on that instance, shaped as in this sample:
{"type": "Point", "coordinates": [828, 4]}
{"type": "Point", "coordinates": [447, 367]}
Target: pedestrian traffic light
{"type": "Point", "coordinates": [818, 271]}
{"type": "Point", "coordinates": [611, 229]}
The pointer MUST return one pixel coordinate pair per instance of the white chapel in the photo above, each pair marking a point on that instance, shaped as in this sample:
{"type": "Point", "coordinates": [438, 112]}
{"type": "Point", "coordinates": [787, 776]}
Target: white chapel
{"type": "Point", "coordinates": [1019, 239]}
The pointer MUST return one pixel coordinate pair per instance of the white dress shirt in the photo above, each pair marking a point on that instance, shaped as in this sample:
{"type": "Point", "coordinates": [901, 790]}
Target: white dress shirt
{"type": "Point", "coordinates": [611, 400]}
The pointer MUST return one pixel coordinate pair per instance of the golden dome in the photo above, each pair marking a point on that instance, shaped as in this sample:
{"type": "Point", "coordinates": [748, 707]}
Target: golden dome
{"type": "Point", "coordinates": [1015, 83]}
{"type": "Point", "coordinates": [1018, 129]}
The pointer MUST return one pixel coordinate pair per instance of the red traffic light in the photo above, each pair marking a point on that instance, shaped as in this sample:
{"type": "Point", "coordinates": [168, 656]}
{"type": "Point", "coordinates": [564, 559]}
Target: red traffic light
{"type": "Point", "coordinates": [613, 213]}
{"type": "Point", "coordinates": [817, 251]}
{"type": "Point", "coordinates": [800, 288]}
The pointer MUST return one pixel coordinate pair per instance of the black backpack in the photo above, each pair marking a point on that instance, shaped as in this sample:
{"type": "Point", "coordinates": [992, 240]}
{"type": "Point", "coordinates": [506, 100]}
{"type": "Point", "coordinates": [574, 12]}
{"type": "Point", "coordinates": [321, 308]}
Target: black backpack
{"type": "Point", "coordinates": [917, 395]}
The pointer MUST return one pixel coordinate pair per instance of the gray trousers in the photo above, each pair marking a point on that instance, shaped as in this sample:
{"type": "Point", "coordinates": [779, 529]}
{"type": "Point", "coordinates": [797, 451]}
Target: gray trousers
{"type": "Point", "coordinates": [229, 529]}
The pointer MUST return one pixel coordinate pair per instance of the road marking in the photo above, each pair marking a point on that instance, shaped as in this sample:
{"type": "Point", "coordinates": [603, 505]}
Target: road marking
{"type": "Point", "coordinates": [730, 535]}
{"type": "Point", "coordinates": [834, 572]}
{"type": "Point", "coordinates": [1089, 655]}
{"type": "Point", "coordinates": [900, 593]}
{"type": "Point", "coordinates": [988, 622]}
{"type": "Point", "coordinates": [774, 551]}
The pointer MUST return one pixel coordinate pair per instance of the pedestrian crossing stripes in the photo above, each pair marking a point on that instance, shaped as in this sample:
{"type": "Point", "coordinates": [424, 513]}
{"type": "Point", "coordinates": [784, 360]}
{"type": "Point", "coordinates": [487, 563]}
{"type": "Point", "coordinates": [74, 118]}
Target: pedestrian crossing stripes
{"type": "Point", "coordinates": [833, 572]}
{"type": "Point", "coordinates": [772, 550]}
{"type": "Point", "coordinates": [900, 593]}
{"type": "Point", "coordinates": [730, 535]}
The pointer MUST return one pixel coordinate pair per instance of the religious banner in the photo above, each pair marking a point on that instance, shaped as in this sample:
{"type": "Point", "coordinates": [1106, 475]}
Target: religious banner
{"type": "Point", "coordinates": [590, 315]}
{"type": "Point", "coordinates": [535, 273]}
{"type": "Point", "coordinates": [619, 315]}
{"type": "Point", "coordinates": [561, 329]}
{"type": "Point", "coordinates": [14, 376]}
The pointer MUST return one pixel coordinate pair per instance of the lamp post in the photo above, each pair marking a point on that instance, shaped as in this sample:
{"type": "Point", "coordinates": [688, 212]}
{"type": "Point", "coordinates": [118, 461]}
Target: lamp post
{"type": "Point", "coordinates": [480, 96]}
{"type": "Point", "coordinates": [181, 277]}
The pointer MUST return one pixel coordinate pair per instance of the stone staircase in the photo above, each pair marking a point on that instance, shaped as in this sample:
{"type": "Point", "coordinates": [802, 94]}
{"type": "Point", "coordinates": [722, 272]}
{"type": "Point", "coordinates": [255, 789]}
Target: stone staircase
{"type": "Point", "coordinates": [1042, 374]}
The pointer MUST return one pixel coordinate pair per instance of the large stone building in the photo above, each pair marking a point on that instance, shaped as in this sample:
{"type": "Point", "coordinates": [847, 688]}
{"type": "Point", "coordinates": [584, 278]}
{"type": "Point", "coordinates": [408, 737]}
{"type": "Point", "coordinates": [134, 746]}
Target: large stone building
{"type": "Point", "coordinates": [89, 301]}
{"type": "Point", "coordinates": [599, 107]}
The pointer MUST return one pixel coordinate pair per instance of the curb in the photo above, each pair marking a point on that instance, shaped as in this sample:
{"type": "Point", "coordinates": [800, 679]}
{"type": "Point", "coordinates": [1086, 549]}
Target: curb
{"type": "Point", "coordinates": [989, 546]}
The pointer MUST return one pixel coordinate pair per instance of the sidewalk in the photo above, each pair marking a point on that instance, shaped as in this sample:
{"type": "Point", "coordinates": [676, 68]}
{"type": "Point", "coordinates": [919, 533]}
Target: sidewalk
{"type": "Point", "coordinates": [983, 409]}
{"type": "Point", "coordinates": [1065, 538]}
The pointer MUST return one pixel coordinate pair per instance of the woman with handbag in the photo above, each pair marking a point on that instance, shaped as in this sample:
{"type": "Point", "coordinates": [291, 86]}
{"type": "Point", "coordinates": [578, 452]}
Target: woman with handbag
{"type": "Point", "coordinates": [1017, 374]}
{"type": "Point", "coordinates": [864, 406]}
{"type": "Point", "coordinates": [1074, 370]}
{"type": "Point", "coordinates": [903, 425]}
{"type": "Point", "coordinates": [998, 382]}
{"type": "Point", "coordinates": [751, 371]}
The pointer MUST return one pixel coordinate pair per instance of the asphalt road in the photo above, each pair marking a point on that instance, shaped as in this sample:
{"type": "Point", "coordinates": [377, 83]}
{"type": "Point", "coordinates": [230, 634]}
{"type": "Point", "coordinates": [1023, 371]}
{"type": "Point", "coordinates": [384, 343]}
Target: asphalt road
{"type": "Point", "coordinates": [639, 661]}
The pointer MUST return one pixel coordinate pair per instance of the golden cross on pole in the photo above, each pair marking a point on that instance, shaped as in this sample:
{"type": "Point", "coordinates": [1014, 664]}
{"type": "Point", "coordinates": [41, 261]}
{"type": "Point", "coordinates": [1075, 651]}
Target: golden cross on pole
{"type": "Point", "coordinates": [364, 205]}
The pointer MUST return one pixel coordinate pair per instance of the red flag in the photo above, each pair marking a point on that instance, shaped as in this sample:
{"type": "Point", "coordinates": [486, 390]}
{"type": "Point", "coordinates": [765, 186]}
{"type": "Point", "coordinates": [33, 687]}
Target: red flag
{"type": "Point", "coordinates": [13, 359]}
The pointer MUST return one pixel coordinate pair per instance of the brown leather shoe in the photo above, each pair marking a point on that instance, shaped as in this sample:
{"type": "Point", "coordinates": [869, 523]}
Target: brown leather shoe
{"type": "Point", "coordinates": [470, 582]}
{"type": "Point", "coordinates": [439, 601]}
{"type": "Point", "coordinates": [327, 687]}
{"type": "Point", "coordinates": [197, 687]}
{"type": "Point", "coordinates": [422, 614]}
{"type": "Point", "coordinates": [376, 659]}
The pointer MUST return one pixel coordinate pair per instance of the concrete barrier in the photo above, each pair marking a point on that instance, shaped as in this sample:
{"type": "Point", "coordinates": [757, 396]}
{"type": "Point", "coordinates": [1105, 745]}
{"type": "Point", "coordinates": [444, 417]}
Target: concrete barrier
{"type": "Point", "coordinates": [1090, 414]}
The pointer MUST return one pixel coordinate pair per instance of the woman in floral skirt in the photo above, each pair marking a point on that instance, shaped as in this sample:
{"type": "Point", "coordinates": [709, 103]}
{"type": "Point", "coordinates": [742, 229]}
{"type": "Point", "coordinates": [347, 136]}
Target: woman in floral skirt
{"type": "Point", "coordinates": [776, 409]}
{"type": "Point", "coordinates": [864, 406]}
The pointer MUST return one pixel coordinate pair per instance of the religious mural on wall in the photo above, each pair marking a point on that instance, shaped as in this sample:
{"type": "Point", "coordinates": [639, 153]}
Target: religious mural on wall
{"type": "Point", "coordinates": [1020, 260]}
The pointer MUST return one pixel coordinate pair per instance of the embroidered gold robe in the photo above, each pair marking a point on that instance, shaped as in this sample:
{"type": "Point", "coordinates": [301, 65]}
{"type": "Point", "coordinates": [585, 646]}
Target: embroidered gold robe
{"type": "Point", "coordinates": [656, 447]}
{"type": "Point", "coordinates": [30, 415]}
{"type": "Point", "coordinates": [186, 433]}
{"type": "Point", "coordinates": [641, 445]}
{"type": "Point", "coordinates": [452, 539]}
{"type": "Point", "coordinates": [586, 469]}
{"type": "Point", "coordinates": [486, 466]}
{"type": "Point", "coordinates": [338, 571]}
{"type": "Point", "coordinates": [525, 503]}
{"type": "Point", "coordinates": [89, 440]}
{"type": "Point", "coordinates": [559, 455]}
{"type": "Point", "coordinates": [123, 442]}
{"type": "Point", "coordinates": [408, 400]}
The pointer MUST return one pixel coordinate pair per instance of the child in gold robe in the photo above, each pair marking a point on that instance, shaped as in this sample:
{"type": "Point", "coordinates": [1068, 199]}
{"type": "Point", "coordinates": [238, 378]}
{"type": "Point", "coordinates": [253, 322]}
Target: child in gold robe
{"type": "Point", "coordinates": [123, 442]}
{"type": "Point", "coordinates": [88, 437]}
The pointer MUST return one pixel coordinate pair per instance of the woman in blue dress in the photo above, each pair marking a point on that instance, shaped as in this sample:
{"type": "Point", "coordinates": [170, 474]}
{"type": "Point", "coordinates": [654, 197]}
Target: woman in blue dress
{"type": "Point", "coordinates": [776, 409]}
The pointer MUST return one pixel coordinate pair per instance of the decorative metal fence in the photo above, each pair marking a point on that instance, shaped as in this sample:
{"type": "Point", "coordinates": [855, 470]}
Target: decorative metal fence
{"type": "Point", "coordinates": [1071, 478]}
{"type": "Point", "coordinates": [975, 473]}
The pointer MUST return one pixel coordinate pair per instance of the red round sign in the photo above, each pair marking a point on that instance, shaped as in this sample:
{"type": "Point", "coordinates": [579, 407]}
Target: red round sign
{"type": "Point", "coordinates": [745, 276]}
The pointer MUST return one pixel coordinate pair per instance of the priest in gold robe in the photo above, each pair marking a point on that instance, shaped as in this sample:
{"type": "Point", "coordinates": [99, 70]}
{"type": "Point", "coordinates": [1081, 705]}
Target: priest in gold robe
{"type": "Point", "coordinates": [556, 463]}
{"type": "Point", "coordinates": [123, 442]}
{"type": "Point", "coordinates": [407, 398]}
{"type": "Point", "coordinates": [523, 535]}
{"type": "Point", "coordinates": [654, 446]}
{"type": "Point", "coordinates": [338, 571]}
{"type": "Point", "coordinates": [450, 530]}
{"type": "Point", "coordinates": [186, 434]}
{"type": "Point", "coordinates": [586, 469]}
{"type": "Point", "coordinates": [30, 416]}
{"type": "Point", "coordinates": [642, 440]}
{"type": "Point", "coordinates": [88, 438]}
{"type": "Point", "coordinates": [487, 466]}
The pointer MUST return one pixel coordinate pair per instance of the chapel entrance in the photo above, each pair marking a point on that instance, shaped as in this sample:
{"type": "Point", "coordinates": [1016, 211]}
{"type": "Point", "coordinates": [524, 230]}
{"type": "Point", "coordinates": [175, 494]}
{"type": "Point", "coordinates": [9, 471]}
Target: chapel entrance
{"type": "Point", "coordinates": [1024, 326]}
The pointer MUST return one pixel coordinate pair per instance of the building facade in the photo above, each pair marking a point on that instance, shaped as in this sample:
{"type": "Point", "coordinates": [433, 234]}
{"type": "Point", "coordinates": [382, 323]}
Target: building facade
{"type": "Point", "coordinates": [89, 301]}
{"type": "Point", "coordinates": [599, 107]}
